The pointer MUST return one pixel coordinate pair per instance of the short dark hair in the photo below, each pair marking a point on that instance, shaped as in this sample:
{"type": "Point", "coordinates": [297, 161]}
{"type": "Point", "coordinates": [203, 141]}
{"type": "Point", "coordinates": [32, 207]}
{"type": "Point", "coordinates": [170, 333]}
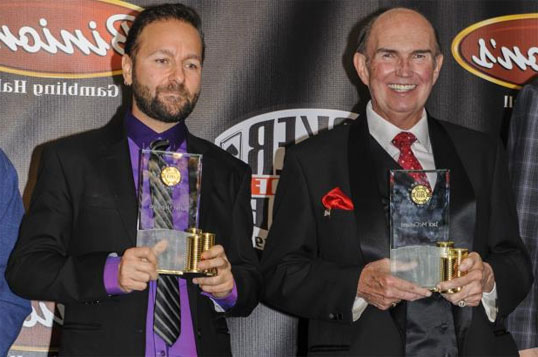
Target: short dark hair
{"type": "Point", "coordinates": [162, 12]}
{"type": "Point", "coordinates": [364, 34]}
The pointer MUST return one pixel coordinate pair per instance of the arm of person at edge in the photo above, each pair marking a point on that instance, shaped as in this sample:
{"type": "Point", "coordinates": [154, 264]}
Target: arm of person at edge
{"type": "Point", "coordinates": [13, 309]}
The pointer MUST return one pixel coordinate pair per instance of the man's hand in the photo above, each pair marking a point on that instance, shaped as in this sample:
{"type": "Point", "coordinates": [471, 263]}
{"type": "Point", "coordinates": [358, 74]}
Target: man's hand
{"type": "Point", "coordinates": [137, 267]}
{"type": "Point", "coordinates": [381, 289]}
{"type": "Point", "coordinates": [222, 284]}
{"type": "Point", "coordinates": [479, 279]}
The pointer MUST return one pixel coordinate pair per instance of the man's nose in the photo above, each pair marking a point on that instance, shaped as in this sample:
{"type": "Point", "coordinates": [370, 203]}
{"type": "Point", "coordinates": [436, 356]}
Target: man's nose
{"type": "Point", "coordinates": [177, 74]}
{"type": "Point", "coordinates": [403, 67]}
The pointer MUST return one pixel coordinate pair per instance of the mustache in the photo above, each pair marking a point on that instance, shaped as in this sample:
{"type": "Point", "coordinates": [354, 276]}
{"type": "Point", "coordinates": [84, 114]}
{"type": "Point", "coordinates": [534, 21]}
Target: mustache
{"type": "Point", "coordinates": [173, 87]}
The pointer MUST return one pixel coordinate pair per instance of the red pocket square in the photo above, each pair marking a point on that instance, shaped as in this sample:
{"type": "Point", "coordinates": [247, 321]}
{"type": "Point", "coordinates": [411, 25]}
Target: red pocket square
{"type": "Point", "coordinates": [335, 198]}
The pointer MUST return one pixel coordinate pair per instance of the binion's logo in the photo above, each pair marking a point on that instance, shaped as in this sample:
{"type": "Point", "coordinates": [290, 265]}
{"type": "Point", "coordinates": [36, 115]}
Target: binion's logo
{"type": "Point", "coordinates": [502, 50]}
{"type": "Point", "coordinates": [37, 333]}
{"type": "Point", "coordinates": [63, 38]}
{"type": "Point", "coordinates": [261, 142]}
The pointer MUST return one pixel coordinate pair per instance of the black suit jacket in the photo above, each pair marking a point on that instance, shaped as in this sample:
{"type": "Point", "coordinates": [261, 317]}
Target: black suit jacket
{"type": "Point", "coordinates": [84, 207]}
{"type": "Point", "coordinates": [312, 262]}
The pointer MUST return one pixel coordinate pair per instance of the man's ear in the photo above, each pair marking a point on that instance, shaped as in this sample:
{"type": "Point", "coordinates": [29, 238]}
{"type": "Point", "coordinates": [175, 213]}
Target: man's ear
{"type": "Point", "coordinates": [127, 69]}
{"type": "Point", "coordinates": [359, 61]}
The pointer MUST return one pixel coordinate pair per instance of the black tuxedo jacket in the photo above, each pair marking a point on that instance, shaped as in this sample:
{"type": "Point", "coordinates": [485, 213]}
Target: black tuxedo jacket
{"type": "Point", "coordinates": [312, 261]}
{"type": "Point", "coordinates": [84, 207]}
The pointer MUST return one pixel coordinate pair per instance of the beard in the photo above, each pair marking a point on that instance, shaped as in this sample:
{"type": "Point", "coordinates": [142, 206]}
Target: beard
{"type": "Point", "coordinates": [167, 111]}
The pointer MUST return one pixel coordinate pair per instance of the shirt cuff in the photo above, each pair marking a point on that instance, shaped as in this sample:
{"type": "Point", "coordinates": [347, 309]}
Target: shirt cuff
{"type": "Point", "coordinates": [489, 301]}
{"type": "Point", "coordinates": [110, 275]}
{"type": "Point", "coordinates": [225, 303]}
{"type": "Point", "coordinates": [359, 305]}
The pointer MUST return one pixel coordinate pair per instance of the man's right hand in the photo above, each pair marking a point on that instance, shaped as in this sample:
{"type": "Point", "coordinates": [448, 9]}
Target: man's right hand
{"type": "Point", "coordinates": [137, 267]}
{"type": "Point", "coordinates": [383, 290]}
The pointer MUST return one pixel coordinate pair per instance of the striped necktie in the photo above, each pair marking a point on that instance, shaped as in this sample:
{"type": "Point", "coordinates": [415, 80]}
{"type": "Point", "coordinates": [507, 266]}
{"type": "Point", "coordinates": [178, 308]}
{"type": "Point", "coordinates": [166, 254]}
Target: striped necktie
{"type": "Point", "coordinates": [167, 310]}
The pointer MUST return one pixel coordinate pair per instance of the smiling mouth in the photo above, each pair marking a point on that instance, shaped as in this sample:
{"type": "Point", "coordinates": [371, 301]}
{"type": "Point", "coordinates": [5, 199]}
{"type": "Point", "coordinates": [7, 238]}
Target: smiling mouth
{"type": "Point", "coordinates": [402, 88]}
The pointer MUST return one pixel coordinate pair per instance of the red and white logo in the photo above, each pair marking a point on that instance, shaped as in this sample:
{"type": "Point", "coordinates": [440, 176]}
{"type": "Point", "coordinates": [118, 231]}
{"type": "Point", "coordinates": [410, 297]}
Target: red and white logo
{"type": "Point", "coordinates": [261, 142]}
{"type": "Point", "coordinates": [62, 38]}
{"type": "Point", "coordinates": [502, 50]}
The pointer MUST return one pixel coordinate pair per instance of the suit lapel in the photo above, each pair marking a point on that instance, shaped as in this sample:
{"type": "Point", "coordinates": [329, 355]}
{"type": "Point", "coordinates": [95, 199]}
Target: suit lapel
{"type": "Point", "coordinates": [363, 180]}
{"type": "Point", "coordinates": [462, 197]}
{"type": "Point", "coordinates": [117, 171]}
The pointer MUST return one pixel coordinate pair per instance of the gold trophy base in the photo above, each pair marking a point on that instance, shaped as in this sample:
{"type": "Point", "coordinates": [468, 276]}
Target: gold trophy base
{"type": "Point", "coordinates": [198, 273]}
{"type": "Point", "coordinates": [187, 273]}
{"type": "Point", "coordinates": [450, 291]}
{"type": "Point", "coordinates": [169, 272]}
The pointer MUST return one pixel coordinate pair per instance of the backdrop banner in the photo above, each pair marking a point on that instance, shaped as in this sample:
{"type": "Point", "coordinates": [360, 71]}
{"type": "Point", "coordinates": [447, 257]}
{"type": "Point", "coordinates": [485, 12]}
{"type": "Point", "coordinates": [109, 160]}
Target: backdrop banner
{"type": "Point", "coordinates": [276, 72]}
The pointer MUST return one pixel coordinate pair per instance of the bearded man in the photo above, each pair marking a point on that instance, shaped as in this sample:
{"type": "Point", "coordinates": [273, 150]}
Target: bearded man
{"type": "Point", "coordinates": [77, 244]}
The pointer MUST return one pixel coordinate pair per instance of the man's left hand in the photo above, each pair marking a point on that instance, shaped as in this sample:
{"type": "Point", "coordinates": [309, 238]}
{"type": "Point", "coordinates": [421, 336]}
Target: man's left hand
{"type": "Point", "coordinates": [479, 279]}
{"type": "Point", "coordinates": [222, 284]}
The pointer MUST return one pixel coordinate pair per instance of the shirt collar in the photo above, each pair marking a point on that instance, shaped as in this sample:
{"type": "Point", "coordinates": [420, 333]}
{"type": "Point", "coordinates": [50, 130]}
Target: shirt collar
{"type": "Point", "coordinates": [384, 131]}
{"type": "Point", "coordinates": [142, 135]}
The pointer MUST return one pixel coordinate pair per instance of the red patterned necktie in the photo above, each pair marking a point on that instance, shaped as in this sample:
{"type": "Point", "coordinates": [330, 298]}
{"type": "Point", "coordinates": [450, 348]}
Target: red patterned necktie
{"type": "Point", "coordinates": [408, 160]}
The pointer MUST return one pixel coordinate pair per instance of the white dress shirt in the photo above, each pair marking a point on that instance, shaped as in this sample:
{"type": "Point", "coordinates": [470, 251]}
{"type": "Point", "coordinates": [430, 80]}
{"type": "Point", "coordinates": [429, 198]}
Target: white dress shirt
{"type": "Point", "coordinates": [383, 132]}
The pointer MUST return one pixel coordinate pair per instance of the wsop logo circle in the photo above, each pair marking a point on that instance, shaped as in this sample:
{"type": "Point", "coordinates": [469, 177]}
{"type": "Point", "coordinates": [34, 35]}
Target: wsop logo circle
{"type": "Point", "coordinates": [420, 194]}
{"type": "Point", "coordinates": [261, 141]}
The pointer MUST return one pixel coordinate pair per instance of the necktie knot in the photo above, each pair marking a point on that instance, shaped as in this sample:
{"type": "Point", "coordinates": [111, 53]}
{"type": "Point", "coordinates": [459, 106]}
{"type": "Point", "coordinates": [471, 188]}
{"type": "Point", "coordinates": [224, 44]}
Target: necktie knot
{"type": "Point", "coordinates": [404, 140]}
{"type": "Point", "coordinates": [407, 159]}
{"type": "Point", "coordinates": [159, 144]}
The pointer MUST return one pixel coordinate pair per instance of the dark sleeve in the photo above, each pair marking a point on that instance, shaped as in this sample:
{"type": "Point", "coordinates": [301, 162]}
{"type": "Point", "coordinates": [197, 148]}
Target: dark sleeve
{"type": "Point", "coordinates": [522, 157]}
{"type": "Point", "coordinates": [297, 278]}
{"type": "Point", "coordinates": [241, 254]}
{"type": "Point", "coordinates": [41, 266]}
{"type": "Point", "coordinates": [507, 255]}
{"type": "Point", "coordinates": [13, 309]}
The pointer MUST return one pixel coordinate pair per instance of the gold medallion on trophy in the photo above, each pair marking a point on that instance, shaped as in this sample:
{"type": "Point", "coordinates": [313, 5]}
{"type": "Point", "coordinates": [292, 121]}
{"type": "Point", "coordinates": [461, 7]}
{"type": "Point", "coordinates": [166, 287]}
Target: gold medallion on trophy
{"type": "Point", "coordinates": [421, 194]}
{"type": "Point", "coordinates": [170, 176]}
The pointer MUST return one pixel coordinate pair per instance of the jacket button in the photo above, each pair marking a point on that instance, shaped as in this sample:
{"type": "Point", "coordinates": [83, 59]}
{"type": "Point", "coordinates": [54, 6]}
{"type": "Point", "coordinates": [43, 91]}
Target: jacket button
{"type": "Point", "coordinates": [331, 316]}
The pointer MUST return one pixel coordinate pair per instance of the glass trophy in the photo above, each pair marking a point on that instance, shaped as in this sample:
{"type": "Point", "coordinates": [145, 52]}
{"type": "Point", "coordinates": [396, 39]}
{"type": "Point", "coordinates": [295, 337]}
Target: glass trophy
{"type": "Point", "coordinates": [169, 190]}
{"type": "Point", "coordinates": [419, 224]}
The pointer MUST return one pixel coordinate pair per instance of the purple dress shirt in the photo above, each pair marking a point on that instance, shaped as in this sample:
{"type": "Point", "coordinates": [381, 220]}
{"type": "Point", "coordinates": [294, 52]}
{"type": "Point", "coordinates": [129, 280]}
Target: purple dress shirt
{"type": "Point", "coordinates": [140, 136]}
